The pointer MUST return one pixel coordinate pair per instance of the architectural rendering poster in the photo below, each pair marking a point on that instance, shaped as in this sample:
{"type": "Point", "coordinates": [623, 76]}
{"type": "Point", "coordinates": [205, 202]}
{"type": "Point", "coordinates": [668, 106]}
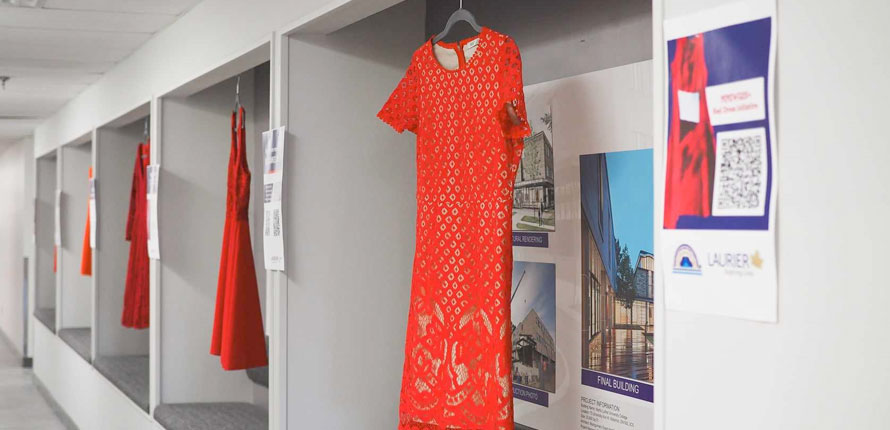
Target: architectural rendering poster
{"type": "Point", "coordinates": [534, 195]}
{"type": "Point", "coordinates": [720, 162]}
{"type": "Point", "coordinates": [617, 287]}
{"type": "Point", "coordinates": [533, 311]}
{"type": "Point", "coordinates": [598, 118]}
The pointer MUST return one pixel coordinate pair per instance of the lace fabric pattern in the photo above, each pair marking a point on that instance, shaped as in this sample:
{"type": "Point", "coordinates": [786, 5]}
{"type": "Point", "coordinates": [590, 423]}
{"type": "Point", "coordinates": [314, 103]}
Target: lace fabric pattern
{"type": "Point", "coordinates": [458, 356]}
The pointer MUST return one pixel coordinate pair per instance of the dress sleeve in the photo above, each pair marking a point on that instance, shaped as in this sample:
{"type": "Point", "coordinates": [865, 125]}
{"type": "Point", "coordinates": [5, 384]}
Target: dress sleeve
{"type": "Point", "coordinates": [400, 110]}
{"type": "Point", "coordinates": [512, 92]}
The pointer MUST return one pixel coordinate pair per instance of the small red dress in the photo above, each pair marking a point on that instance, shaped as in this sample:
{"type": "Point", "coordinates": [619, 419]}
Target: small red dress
{"type": "Point", "coordinates": [690, 151]}
{"type": "Point", "coordinates": [457, 370]}
{"type": "Point", "coordinates": [238, 337]}
{"type": "Point", "coordinates": [136, 294]}
{"type": "Point", "coordinates": [86, 252]}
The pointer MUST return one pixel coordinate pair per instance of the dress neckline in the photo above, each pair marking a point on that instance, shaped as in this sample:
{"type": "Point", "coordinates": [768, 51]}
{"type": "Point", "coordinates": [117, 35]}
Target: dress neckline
{"type": "Point", "coordinates": [452, 45]}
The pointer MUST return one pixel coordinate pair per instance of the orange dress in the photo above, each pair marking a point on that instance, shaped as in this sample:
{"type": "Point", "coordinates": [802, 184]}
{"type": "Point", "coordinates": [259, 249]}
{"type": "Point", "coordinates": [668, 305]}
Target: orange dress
{"type": "Point", "coordinates": [86, 253]}
{"type": "Point", "coordinates": [458, 356]}
{"type": "Point", "coordinates": [238, 337]}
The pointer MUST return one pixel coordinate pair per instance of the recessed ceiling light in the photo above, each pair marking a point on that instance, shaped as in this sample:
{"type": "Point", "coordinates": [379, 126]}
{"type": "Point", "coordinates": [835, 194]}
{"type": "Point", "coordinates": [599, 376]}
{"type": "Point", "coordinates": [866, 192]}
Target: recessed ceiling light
{"type": "Point", "coordinates": [34, 4]}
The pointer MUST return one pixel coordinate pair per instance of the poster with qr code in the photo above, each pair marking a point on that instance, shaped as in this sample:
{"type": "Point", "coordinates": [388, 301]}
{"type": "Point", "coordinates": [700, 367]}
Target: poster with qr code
{"type": "Point", "coordinates": [720, 164]}
{"type": "Point", "coordinates": [273, 172]}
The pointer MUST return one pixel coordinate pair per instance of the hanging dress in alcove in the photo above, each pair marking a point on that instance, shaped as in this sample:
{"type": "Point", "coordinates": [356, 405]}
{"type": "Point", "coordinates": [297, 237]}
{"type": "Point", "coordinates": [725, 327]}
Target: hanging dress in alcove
{"type": "Point", "coordinates": [86, 253]}
{"type": "Point", "coordinates": [238, 337]}
{"type": "Point", "coordinates": [457, 370]}
{"type": "Point", "coordinates": [690, 156]}
{"type": "Point", "coordinates": [136, 294]}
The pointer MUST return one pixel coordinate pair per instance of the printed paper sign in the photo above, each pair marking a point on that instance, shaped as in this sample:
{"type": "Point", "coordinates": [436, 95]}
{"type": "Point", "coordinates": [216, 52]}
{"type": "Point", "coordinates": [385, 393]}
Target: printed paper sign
{"type": "Point", "coordinates": [57, 238]}
{"type": "Point", "coordinates": [718, 226]}
{"type": "Point", "coordinates": [152, 176]}
{"type": "Point", "coordinates": [273, 172]}
{"type": "Point", "coordinates": [689, 105]}
{"type": "Point", "coordinates": [735, 102]}
{"type": "Point", "coordinates": [93, 214]}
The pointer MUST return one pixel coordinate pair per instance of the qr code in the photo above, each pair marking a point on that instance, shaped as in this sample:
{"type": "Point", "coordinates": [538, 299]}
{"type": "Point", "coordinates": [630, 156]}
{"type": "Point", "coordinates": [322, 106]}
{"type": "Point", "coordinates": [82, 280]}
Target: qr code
{"type": "Point", "coordinates": [740, 174]}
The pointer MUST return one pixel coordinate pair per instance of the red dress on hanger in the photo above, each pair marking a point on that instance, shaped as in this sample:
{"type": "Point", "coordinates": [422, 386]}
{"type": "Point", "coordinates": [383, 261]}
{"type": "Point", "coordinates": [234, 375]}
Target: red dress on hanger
{"type": "Point", "coordinates": [458, 354]}
{"type": "Point", "coordinates": [238, 337]}
{"type": "Point", "coordinates": [136, 294]}
{"type": "Point", "coordinates": [86, 253]}
{"type": "Point", "coordinates": [690, 152]}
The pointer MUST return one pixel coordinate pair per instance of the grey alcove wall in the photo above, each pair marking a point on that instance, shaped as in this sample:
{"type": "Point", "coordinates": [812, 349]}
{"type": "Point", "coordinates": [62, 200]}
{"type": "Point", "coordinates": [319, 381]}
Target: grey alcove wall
{"type": "Point", "coordinates": [194, 157]}
{"type": "Point", "coordinates": [116, 148]}
{"type": "Point", "coordinates": [45, 279]}
{"type": "Point", "coordinates": [350, 209]}
{"type": "Point", "coordinates": [75, 291]}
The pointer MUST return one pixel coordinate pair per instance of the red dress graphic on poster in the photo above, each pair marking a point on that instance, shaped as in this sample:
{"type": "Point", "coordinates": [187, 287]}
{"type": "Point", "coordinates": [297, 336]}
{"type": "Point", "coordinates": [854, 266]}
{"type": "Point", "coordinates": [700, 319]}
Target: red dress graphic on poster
{"type": "Point", "coordinates": [690, 158]}
{"type": "Point", "coordinates": [470, 123]}
{"type": "Point", "coordinates": [136, 295]}
{"type": "Point", "coordinates": [86, 253]}
{"type": "Point", "coordinates": [238, 337]}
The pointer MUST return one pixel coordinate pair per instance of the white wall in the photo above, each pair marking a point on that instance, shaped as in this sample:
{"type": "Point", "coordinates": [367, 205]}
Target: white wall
{"type": "Point", "coordinates": [15, 218]}
{"type": "Point", "coordinates": [824, 365]}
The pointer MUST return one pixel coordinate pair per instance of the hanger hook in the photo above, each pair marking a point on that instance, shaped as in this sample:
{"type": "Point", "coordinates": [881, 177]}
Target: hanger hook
{"type": "Point", "coordinates": [238, 92]}
{"type": "Point", "coordinates": [145, 129]}
{"type": "Point", "coordinates": [461, 4]}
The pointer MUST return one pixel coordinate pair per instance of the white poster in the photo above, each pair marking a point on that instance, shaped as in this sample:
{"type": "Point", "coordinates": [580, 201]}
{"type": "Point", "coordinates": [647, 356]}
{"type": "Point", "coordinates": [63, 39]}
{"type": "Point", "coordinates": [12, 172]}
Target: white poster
{"type": "Point", "coordinates": [92, 214]}
{"type": "Point", "coordinates": [720, 164]}
{"type": "Point", "coordinates": [273, 172]}
{"type": "Point", "coordinates": [152, 173]}
{"type": "Point", "coordinates": [591, 143]}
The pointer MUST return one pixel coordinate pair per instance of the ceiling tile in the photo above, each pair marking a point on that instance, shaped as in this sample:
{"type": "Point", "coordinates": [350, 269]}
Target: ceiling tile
{"type": "Point", "coordinates": [167, 7]}
{"type": "Point", "coordinates": [76, 20]}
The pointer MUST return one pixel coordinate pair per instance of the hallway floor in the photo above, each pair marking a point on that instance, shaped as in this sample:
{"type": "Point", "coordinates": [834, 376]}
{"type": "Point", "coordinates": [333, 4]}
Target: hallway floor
{"type": "Point", "coordinates": [21, 405]}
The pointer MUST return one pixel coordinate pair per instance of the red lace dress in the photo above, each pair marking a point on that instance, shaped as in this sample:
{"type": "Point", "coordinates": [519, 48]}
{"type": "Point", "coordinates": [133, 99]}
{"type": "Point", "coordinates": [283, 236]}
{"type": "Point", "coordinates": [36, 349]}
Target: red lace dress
{"type": "Point", "coordinates": [136, 304]}
{"type": "Point", "coordinates": [458, 350]}
{"type": "Point", "coordinates": [238, 337]}
{"type": "Point", "coordinates": [690, 158]}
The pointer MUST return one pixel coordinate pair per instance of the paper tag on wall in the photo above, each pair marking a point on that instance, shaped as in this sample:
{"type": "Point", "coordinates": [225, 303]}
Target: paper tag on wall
{"type": "Point", "coordinates": [151, 195]}
{"type": "Point", "coordinates": [92, 213]}
{"type": "Point", "coordinates": [689, 106]}
{"type": "Point", "coordinates": [57, 237]}
{"type": "Point", "coordinates": [273, 173]}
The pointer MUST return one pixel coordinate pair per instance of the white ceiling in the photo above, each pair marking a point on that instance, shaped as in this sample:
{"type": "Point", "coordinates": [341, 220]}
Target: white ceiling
{"type": "Point", "coordinates": [53, 49]}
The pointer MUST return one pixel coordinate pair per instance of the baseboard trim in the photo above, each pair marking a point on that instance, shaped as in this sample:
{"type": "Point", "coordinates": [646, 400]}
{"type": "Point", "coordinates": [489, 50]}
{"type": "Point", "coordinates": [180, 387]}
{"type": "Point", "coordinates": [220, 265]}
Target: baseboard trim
{"type": "Point", "coordinates": [57, 409]}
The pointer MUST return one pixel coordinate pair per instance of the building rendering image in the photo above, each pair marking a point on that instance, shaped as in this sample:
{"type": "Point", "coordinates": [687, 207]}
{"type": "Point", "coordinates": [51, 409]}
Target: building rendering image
{"type": "Point", "coordinates": [617, 321]}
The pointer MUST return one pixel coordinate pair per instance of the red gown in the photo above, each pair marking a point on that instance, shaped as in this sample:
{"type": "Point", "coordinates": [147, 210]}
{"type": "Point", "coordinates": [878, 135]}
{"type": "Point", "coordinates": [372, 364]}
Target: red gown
{"type": "Point", "coordinates": [457, 370]}
{"type": "Point", "coordinates": [136, 294]}
{"type": "Point", "coordinates": [238, 337]}
{"type": "Point", "coordinates": [86, 253]}
{"type": "Point", "coordinates": [690, 152]}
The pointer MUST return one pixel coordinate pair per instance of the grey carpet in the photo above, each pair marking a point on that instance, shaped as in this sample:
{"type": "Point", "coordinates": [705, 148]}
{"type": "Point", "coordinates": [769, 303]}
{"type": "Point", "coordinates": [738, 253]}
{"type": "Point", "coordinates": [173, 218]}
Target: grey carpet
{"type": "Point", "coordinates": [78, 339]}
{"type": "Point", "coordinates": [129, 373]}
{"type": "Point", "coordinates": [47, 316]}
{"type": "Point", "coordinates": [212, 416]}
